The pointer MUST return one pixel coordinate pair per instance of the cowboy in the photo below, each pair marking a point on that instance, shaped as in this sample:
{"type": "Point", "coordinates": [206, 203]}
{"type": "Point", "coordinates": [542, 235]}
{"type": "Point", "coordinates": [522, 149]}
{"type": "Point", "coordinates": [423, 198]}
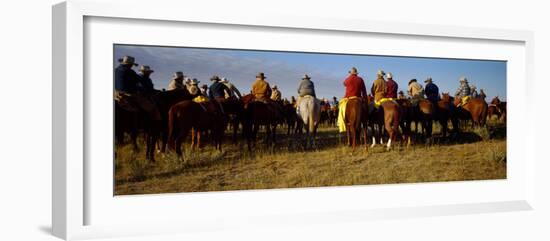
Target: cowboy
{"type": "Point", "coordinates": [401, 95]}
{"type": "Point", "coordinates": [431, 90]}
{"type": "Point", "coordinates": [177, 81]}
{"type": "Point", "coordinates": [216, 93]}
{"type": "Point", "coordinates": [126, 94]}
{"type": "Point", "coordinates": [378, 88]}
{"type": "Point", "coordinates": [260, 88]}
{"type": "Point", "coordinates": [233, 91]}
{"type": "Point", "coordinates": [293, 101]}
{"type": "Point", "coordinates": [391, 87]}
{"type": "Point", "coordinates": [482, 94]}
{"type": "Point", "coordinates": [306, 88]}
{"type": "Point", "coordinates": [192, 86]}
{"type": "Point", "coordinates": [275, 93]}
{"type": "Point", "coordinates": [415, 91]}
{"type": "Point", "coordinates": [334, 101]}
{"type": "Point", "coordinates": [463, 91]}
{"type": "Point", "coordinates": [126, 79]}
{"type": "Point", "coordinates": [474, 93]}
{"type": "Point", "coordinates": [204, 89]}
{"type": "Point", "coordinates": [217, 89]}
{"type": "Point", "coordinates": [355, 88]}
{"type": "Point", "coordinates": [146, 84]}
{"type": "Point", "coordinates": [194, 90]}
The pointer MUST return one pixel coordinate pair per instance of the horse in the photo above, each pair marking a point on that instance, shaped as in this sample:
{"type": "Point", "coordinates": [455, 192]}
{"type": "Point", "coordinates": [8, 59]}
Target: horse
{"type": "Point", "coordinates": [424, 113]}
{"type": "Point", "coordinates": [332, 115]}
{"type": "Point", "coordinates": [475, 110]}
{"type": "Point", "coordinates": [164, 101]}
{"type": "Point", "coordinates": [388, 115]}
{"type": "Point", "coordinates": [233, 110]}
{"type": "Point", "coordinates": [134, 121]}
{"type": "Point", "coordinates": [407, 117]}
{"type": "Point", "coordinates": [291, 119]}
{"type": "Point", "coordinates": [260, 113]}
{"type": "Point", "coordinates": [188, 116]}
{"type": "Point", "coordinates": [446, 111]}
{"type": "Point", "coordinates": [353, 119]}
{"type": "Point", "coordinates": [309, 110]}
{"type": "Point", "coordinates": [497, 108]}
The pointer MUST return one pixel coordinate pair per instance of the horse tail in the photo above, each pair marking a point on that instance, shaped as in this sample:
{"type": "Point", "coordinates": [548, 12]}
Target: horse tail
{"type": "Point", "coordinates": [312, 114]}
{"type": "Point", "coordinates": [172, 128]}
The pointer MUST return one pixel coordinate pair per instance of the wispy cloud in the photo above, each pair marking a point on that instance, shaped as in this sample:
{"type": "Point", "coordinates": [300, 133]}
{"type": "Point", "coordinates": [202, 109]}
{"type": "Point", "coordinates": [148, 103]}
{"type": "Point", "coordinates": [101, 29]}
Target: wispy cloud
{"type": "Point", "coordinates": [241, 70]}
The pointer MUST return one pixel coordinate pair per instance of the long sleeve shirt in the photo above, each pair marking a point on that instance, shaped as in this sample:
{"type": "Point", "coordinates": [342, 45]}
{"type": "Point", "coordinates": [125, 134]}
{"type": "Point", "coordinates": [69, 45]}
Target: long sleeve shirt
{"type": "Point", "coordinates": [391, 89]}
{"type": "Point", "coordinates": [126, 79]}
{"type": "Point", "coordinates": [355, 86]}
{"type": "Point", "coordinates": [306, 88]}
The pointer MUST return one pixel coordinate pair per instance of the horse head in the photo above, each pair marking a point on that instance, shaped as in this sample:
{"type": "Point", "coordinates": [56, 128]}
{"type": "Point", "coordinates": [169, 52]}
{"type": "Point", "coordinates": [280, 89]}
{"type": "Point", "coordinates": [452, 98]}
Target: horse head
{"type": "Point", "coordinates": [495, 100]}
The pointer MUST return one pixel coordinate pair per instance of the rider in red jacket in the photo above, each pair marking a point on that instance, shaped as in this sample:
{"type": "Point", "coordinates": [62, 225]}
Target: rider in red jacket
{"type": "Point", "coordinates": [355, 86]}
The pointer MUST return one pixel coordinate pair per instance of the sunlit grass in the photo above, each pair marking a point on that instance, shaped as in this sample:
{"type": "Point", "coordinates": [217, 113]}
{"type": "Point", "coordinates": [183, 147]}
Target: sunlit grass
{"type": "Point", "coordinates": [288, 165]}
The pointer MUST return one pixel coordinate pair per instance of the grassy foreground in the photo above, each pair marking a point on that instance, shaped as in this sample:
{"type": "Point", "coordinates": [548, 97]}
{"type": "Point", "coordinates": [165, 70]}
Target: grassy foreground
{"type": "Point", "coordinates": [330, 164]}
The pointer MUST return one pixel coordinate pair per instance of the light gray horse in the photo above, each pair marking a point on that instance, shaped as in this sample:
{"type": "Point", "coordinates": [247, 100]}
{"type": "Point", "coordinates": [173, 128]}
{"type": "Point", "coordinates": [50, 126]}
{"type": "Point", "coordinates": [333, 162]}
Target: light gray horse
{"type": "Point", "coordinates": [309, 110]}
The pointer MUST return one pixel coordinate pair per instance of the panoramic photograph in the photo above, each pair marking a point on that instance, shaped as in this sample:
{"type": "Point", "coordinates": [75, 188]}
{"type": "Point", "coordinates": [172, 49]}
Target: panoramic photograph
{"type": "Point", "coordinates": [190, 119]}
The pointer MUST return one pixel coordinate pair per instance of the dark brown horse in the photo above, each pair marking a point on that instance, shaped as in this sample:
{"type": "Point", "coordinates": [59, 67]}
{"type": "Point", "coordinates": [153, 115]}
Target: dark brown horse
{"type": "Point", "coordinates": [134, 122]}
{"type": "Point", "coordinates": [188, 116]}
{"type": "Point", "coordinates": [497, 108]}
{"type": "Point", "coordinates": [291, 118]}
{"type": "Point", "coordinates": [165, 100]}
{"type": "Point", "coordinates": [424, 113]}
{"type": "Point", "coordinates": [446, 112]}
{"type": "Point", "coordinates": [261, 113]}
{"type": "Point", "coordinates": [475, 110]}
{"type": "Point", "coordinates": [407, 117]}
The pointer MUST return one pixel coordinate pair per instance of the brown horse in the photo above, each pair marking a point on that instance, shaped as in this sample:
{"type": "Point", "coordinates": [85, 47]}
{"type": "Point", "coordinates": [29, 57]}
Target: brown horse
{"type": "Point", "coordinates": [424, 113]}
{"type": "Point", "coordinates": [387, 114]}
{"type": "Point", "coordinates": [352, 118]}
{"type": "Point", "coordinates": [475, 110]}
{"type": "Point", "coordinates": [446, 111]}
{"type": "Point", "coordinates": [188, 116]}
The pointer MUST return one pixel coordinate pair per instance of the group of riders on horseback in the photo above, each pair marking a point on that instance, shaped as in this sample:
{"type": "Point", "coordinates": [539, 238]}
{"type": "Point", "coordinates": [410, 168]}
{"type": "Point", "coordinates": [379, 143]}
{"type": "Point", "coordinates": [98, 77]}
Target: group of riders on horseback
{"type": "Point", "coordinates": [185, 106]}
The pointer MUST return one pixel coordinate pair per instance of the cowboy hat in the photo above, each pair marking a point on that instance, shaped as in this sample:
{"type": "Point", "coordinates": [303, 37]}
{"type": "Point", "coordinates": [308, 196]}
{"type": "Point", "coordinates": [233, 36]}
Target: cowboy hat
{"type": "Point", "coordinates": [128, 60]}
{"type": "Point", "coordinates": [194, 81]}
{"type": "Point", "coordinates": [353, 70]}
{"type": "Point", "coordinates": [412, 80]}
{"type": "Point", "coordinates": [178, 75]}
{"type": "Point", "coordinates": [388, 75]}
{"type": "Point", "coordinates": [381, 72]}
{"type": "Point", "coordinates": [463, 79]}
{"type": "Point", "coordinates": [145, 69]}
{"type": "Point", "coordinates": [224, 80]}
{"type": "Point", "coordinates": [260, 75]}
{"type": "Point", "coordinates": [429, 79]}
{"type": "Point", "coordinates": [306, 77]}
{"type": "Point", "coordinates": [215, 77]}
{"type": "Point", "coordinates": [275, 87]}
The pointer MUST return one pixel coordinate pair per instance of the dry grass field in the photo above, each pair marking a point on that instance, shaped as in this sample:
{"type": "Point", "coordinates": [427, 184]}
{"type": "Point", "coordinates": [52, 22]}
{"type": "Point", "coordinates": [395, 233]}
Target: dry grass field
{"type": "Point", "coordinates": [474, 155]}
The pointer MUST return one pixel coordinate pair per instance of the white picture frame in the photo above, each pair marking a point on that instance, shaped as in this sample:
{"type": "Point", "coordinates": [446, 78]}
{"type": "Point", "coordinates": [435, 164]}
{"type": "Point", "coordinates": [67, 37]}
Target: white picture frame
{"type": "Point", "coordinates": [69, 111]}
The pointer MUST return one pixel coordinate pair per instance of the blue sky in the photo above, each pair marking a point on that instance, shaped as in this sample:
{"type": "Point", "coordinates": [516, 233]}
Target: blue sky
{"type": "Point", "coordinates": [285, 69]}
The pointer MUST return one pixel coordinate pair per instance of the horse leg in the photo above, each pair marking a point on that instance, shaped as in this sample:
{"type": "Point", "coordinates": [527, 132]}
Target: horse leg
{"type": "Point", "coordinates": [373, 135]}
{"type": "Point", "coordinates": [193, 136]}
